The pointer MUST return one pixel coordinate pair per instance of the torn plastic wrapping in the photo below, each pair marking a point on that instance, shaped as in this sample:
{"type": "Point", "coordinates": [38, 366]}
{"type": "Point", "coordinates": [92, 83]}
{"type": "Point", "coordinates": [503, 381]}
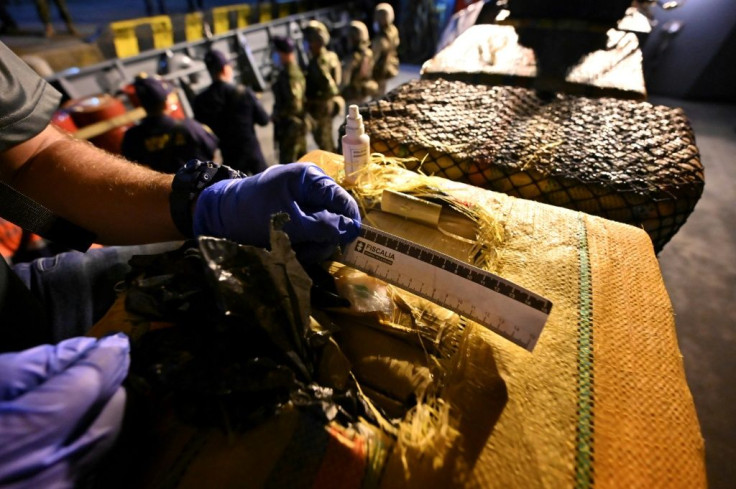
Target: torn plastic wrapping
{"type": "Point", "coordinates": [169, 285]}
{"type": "Point", "coordinates": [242, 342]}
{"type": "Point", "coordinates": [269, 289]}
{"type": "Point", "coordinates": [365, 293]}
{"type": "Point", "coordinates": [225, 359]}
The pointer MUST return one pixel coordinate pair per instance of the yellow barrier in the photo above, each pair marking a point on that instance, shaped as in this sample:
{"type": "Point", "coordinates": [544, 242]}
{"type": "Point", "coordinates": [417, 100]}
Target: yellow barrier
{"type": "Point", "coordinates": [193, 26]}
{"type": "Point", "coordinates": [126, 40]}
{"type": "Point", "coordinates": [264, 12]}
{"type": "Point", "coordinates": [285, 8]}
{"type": "Point", "coordinates": [221, 17]}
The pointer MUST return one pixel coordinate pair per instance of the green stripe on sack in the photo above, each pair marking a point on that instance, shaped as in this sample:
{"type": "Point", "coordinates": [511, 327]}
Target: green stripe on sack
{"type": "Point", "coordinates": [584, 454]}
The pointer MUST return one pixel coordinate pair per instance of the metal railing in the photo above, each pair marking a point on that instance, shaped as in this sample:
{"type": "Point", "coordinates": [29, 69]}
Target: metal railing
{"type": "Point", "coordinates": [181, 64]}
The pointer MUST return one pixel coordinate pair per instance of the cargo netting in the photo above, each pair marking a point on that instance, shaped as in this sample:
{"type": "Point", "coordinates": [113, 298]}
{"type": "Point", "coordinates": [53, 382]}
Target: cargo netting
{"type": "Point", "coordinates": [624, 160]}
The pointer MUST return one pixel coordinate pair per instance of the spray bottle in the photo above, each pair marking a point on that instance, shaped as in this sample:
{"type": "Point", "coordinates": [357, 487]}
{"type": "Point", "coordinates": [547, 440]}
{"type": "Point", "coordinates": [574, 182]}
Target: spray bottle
{"type": "Point", "coordinates": [356, 147]}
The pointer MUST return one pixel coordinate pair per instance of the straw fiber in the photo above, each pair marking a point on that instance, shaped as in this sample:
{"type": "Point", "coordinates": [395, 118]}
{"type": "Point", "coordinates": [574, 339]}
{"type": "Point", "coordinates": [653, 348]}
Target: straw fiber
{"type": "Point", "coordinates": [628, 161]}
{"type": "Point", "coordinates": [601, 402]}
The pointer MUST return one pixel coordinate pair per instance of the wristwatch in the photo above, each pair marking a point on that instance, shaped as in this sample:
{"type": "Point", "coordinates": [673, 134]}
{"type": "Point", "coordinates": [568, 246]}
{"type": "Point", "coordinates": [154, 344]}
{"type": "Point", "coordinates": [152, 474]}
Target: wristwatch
{"type": "Point", "coordinates": [189, 181]}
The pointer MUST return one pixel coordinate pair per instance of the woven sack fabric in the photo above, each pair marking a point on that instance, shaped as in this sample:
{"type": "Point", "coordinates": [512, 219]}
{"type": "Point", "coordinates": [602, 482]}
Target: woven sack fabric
{"type": "Point", "coordinates": [579, 62]}
{"type": "Point", "coordinates": [601, 402]}
{"type": "Point", "coordinates": [631, 162]}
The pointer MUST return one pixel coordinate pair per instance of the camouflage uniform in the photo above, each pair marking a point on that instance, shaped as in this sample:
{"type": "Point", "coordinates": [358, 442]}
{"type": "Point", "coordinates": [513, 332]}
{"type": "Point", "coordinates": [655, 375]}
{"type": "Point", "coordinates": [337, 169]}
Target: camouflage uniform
{"type": "Point", "coordinates": [290, 127]}
{"type": "Point", "coordinates": [358, 83]}
{"type": "Point", "coordinates": [323, 78]}
{"type": "Point", "coordinates": [385, 47]}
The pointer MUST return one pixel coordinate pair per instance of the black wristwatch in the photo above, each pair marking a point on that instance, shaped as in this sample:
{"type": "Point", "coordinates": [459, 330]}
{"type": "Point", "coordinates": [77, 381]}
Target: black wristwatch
{"type": "Point", "coordinates": [189, 181]}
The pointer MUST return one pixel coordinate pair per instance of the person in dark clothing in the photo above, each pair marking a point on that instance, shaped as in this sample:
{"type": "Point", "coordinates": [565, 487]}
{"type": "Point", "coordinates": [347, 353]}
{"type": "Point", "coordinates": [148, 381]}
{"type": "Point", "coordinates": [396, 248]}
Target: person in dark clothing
{"type": "Point", "coordinates": [231, 111]}
{"type": "Point", "coordinates": [62, 396]}
{"type": "Point", "coordinates": [160, 141]}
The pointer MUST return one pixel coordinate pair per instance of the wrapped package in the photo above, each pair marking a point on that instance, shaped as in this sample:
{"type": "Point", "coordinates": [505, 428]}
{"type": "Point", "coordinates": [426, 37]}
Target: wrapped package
{"type": "Point", "coordinates": [601, 402]}
{"type": "Point", "coordinates": [628, 161]}
{"type": "Point", "coordinates": [244, 384]}
{"type": "Point", "coordinates": [592, 63]}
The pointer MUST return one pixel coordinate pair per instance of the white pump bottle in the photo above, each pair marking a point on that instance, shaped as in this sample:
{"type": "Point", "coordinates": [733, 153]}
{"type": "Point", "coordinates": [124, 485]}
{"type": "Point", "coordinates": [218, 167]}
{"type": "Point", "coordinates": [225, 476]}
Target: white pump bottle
{"type": "Point", "coordinates": [356, 147]}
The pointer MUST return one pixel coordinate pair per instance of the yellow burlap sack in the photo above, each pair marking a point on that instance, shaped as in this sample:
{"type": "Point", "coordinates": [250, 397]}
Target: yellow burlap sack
{"type": "Point", "coordinates": [601, 402]}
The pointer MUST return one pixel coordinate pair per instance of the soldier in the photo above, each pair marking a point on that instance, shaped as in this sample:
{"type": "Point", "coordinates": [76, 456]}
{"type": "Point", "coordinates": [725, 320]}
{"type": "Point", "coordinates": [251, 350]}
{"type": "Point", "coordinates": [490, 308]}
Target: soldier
{"type": "Point", "coordinates": [160, 141]}
{"type": "Point", "coordinates": [385, 46]}
{"type": "Point", "coordinates": [232, 110]}
{"type": "Point", "coordinates": [323, 78]}
{"type": "Point", "coordinates": [289, 125]}
{"type": "Point", "coordinates": [358, 84]}
{"type": "Point", "coordinates": [42, 6]}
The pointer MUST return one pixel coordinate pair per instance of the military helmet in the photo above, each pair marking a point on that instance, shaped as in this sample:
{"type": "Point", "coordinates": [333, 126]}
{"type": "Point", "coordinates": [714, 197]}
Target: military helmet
{"type": "Point", "coordinates": [316, 30]}
{"type": "Point", "coordinates": [384, 14]}
{"type": "Point", "coordinates": [358, 32]}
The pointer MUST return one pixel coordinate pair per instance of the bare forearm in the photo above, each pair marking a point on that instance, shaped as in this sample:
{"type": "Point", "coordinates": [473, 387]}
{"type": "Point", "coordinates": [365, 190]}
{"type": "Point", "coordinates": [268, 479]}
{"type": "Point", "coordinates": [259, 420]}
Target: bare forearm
{"type": "Point", "coordinates": [119, 201]}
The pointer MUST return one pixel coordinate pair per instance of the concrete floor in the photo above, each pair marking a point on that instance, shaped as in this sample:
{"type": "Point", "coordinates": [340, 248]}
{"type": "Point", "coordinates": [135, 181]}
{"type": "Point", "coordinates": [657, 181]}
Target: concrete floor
{"type": "Point", "coordinates": [699, 270]}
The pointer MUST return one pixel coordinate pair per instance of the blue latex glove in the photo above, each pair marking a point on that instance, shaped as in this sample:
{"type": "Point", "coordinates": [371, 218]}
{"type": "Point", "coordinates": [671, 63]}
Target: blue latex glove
{"type": "Point", "coordinates": [323, 214]}
{"type": "Point", "coordinates": [61, 407]}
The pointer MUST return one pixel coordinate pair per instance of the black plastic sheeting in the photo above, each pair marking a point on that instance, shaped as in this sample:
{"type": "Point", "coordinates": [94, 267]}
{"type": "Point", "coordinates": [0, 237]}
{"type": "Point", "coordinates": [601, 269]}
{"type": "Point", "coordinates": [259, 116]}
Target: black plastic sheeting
{"type": "Point", "coordinates": [233, 342]}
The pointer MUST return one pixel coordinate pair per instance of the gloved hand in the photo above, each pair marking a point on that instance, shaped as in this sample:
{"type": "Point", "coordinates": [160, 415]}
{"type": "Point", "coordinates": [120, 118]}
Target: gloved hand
{"type": "Point", "coordinates": [61, 407]}
{"type": "Point", "coordinates": [323, 214]}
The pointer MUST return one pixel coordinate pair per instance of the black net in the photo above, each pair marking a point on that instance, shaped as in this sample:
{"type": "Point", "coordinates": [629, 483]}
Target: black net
{"type": "Point", "coordinates": [628, 161]}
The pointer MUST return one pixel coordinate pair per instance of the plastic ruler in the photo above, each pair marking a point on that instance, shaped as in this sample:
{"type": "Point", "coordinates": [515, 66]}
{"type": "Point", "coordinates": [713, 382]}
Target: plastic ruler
{"type": "Point", "coordinates": [505, 308]}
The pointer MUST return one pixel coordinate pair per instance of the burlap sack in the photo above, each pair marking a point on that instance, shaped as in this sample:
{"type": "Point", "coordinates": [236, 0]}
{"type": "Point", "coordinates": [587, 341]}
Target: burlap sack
{"type": "Point", "coordinates": [601, 402]}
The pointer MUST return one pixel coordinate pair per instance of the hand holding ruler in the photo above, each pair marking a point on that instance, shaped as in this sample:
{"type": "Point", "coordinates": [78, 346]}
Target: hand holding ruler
{"type": "Point", "coordinates": [503, 307]}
